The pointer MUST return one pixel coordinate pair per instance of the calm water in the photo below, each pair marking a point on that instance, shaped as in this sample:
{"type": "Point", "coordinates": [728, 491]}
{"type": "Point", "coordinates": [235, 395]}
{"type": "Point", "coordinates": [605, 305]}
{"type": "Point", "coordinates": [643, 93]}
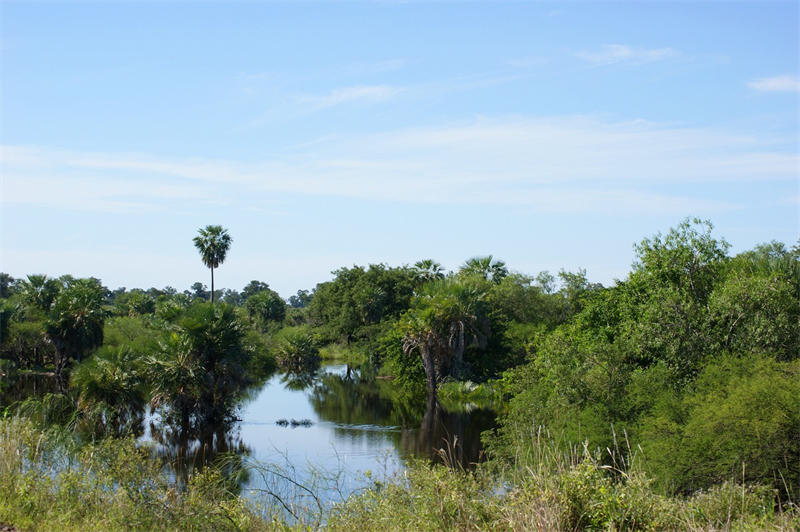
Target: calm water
{"type": "Point", "coordinates": [344, 426]}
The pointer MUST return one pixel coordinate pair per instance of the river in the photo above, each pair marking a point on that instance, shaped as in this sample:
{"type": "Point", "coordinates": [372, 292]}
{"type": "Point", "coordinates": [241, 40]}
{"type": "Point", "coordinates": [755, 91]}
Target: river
{"type": "Point", "coordinates": [332, 430]}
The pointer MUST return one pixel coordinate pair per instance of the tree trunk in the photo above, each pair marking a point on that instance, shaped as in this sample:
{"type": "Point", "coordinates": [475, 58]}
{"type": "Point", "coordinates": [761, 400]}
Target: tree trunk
{"type": "Point", "coordinates": [458, 352]}
{"type": "Point", "coordinates": [212, 284]}
{"type": "Point", "coordinates": [430, 369]}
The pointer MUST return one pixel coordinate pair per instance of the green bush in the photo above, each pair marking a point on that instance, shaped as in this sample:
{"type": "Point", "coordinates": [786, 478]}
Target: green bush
{"type": "Point", "coordinates": [741, 422]}
{"type": "Point", "coordinates": [295, 349]}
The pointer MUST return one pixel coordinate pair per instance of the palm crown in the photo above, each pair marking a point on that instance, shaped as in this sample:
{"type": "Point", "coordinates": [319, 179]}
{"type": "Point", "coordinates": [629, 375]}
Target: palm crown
{"type": "Point", "coordinates": [212, 242]}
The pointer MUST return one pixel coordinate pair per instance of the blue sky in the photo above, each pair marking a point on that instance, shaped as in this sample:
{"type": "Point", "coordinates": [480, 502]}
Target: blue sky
{"type": "Point", "coordinates": [331, 134]}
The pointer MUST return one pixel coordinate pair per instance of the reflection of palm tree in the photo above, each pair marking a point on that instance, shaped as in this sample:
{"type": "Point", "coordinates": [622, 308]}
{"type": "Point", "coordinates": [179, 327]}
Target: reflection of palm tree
{"type": "Point", "coordinates": [213, 243]}
{"type": "Point", "coordinates": [299, 380]}
{"type": "Point", "coordinates": [452, 437]}
{"type": "Point", "coordinates": [190, 448]}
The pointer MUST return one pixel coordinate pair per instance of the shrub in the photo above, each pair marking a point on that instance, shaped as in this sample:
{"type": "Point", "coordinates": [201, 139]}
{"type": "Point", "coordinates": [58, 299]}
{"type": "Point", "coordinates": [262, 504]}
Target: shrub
{"type": "Point", "coordinates": [295, 349]}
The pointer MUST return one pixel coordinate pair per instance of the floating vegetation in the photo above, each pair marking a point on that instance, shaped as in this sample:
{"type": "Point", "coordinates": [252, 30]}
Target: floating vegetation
{"type": "Point", "coordinates": [294, 423]}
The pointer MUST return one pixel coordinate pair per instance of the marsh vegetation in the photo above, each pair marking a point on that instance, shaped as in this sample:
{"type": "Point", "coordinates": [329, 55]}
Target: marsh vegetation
{"type": "Point", "coordinates": [670, 399]}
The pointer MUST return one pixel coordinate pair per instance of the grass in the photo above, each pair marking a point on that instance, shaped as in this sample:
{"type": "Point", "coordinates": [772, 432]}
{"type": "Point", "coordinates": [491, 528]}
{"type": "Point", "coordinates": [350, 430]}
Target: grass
{"type": "Point", "coordinates": [457, 396]}
{"type": "Point", "coordinates": [50, 482]}
{"type": "Point", "coordinates": [343, 354]}
{"type": "Point", "coordinates": [46, 483]}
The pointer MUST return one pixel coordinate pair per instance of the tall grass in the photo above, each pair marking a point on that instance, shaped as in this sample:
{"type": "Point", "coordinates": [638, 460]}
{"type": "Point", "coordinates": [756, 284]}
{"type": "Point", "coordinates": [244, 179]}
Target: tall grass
{"type": "Point", "coordinates": [49, 482]}
{"type": "Point", "coordinates": [551, 486]}
{"type": "Point", "coordinates": [109, 485]}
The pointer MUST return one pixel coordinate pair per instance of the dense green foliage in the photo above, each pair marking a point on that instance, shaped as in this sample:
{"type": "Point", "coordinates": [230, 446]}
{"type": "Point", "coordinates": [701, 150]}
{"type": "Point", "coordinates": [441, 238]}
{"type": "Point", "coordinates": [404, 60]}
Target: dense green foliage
{"type": "Point", "coordinates": [265, 307]}
{"type": "Point", "coordinates": [668, 400]}
{"type": "Point", "coordinates": [357, 300]}
{"type": "Point", "coordinates": [694, 356]}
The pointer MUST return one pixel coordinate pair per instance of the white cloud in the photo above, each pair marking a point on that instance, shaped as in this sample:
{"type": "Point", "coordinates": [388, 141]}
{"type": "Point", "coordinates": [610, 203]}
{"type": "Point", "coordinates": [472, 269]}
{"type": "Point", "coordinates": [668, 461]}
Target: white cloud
{"type": "Point", "coordinates": [776, 84]}
{"type": "Point", "coordinates": [554, 164]}
{"type": "Point", "coordinates": [365, 93]}
{"type": "Point", "coordinates": [620, 53]}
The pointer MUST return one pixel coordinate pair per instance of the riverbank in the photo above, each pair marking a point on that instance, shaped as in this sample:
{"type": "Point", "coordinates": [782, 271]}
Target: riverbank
{"type": "Point", "coordinates": [45, 483]}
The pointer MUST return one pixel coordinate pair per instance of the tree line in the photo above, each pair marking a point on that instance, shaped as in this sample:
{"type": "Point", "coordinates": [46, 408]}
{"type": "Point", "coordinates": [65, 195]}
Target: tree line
{"type": "Point", "coordinates": [693, 357]}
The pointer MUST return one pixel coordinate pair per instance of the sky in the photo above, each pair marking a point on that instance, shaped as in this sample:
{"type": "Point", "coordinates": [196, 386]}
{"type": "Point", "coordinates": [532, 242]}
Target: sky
{"type": "Point", "coordinates": [328, 134]}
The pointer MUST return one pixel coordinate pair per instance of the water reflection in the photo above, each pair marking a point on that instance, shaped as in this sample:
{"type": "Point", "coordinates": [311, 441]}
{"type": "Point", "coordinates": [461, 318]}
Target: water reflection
{"type": "Point", "coordinates": [456, 434]}
{"type": "Point", "coordinates": [188, 448]}
{"type": "Point", "coordinates": [360, 406]}
{"type": "Point", "coordinates": [357, 423]}
{"type": "Point", "coordinates": [19, 386]}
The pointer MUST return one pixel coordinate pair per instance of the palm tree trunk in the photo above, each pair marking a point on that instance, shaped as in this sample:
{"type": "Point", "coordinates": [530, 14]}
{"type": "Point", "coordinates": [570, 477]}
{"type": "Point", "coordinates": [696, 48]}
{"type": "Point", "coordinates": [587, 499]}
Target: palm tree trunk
{"type": "Point", "coordinates": [212, 284]}
{"type": "Point", "coordinates": [429, 366]}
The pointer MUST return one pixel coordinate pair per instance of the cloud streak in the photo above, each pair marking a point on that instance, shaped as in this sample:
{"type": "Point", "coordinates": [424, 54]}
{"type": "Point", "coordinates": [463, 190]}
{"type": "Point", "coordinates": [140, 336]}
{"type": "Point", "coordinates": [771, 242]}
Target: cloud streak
{"type": "Point", "coordinates": [619, 53]}
{"type": "Point", "coordinates": [553, 164]}
{"type": "Point", "coordinates": [776, 84]}
{"type": "Point", "coordinates": [359, 94]}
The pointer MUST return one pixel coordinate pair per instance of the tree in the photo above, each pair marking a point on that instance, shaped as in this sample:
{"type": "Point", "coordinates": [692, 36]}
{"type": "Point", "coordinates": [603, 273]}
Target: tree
{"type": "Point", "coordinates": [486, 267]}
{"type": "Point", "coordinates": [357, 299]}
{"type": "Point", "coordinates": [39, 291]}
{"type": "Point", "coordinates": [200, 370]}
{"type": "Point", "coordinates": [253, 287]}
{"type": "Point", "coordinates": [75, 322]}
{"type": "Point", "coordinates": [428, 270]}
{"type": "Point", "coordinates": [444, 319]}
{"type": "Point", "coordinates": [197, 291]}
{"type": "Point", "coordinates": [213, 243]}
{"type": "Point", "coordinates": [6, 285]}
{"type": "Point", "coordinates": [301, 300]}
{"type": "Point", "coordinates": [265, 307]}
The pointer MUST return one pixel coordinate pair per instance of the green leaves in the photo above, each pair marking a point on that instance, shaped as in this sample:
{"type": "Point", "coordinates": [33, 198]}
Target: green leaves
{"type": "Point", "coordinates": [265, 307]}
{"type": "Point", "coordinates": [694, 354]}
{"type": "Point", "coordinates": [687, 258]}
{"type": "Point", "coordinates": [75, 321]}
{"type": "Point", "coordinates": [200, 369]}
{"type": "Point", "coordinates": [213, 243]}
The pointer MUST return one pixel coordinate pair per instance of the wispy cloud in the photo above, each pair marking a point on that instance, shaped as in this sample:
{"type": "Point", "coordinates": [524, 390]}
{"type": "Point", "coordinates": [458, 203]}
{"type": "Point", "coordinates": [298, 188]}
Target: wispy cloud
{"type": "Point", "coordinates": [363, 93]}
{"type": "Point", "coordinates": [553, 164]}
{"type": "Point", "coordinates": [527, 61]}
{"type": "Point", "coordinates": [620, 53]}
{"type": "Point", "coordinates": [785, 83]}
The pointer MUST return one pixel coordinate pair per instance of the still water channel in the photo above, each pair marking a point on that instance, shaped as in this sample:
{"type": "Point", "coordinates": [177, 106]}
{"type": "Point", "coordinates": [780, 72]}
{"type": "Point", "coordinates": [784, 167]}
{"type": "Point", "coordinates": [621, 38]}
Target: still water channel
{"type": "Point", "coordinates": [332, 428]}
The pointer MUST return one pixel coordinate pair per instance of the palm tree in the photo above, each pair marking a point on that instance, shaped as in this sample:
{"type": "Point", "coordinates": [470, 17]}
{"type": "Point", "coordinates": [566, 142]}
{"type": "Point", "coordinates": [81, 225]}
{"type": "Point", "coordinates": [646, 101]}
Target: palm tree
{"type": "Point", "coordinates": [428, 270]}
{"type": "Point", "coordinates": [486, 267]}
{"type": "Point", "coordinates": [212, 243]}
{"type": "Point", "coordinates": [75, 322]}
{"type": "Point", "coordinates": [39, 291]}
{"type": "Point", "coordinates": [448, 316]}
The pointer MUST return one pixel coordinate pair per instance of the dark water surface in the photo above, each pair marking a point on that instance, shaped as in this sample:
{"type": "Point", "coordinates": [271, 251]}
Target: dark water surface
{"type": "Point", "coordinates": [331, 428]}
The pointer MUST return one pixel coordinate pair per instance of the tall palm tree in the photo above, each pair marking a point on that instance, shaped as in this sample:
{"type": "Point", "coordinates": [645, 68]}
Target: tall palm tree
{"type": "Point", "coordinates": [212, 242]}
